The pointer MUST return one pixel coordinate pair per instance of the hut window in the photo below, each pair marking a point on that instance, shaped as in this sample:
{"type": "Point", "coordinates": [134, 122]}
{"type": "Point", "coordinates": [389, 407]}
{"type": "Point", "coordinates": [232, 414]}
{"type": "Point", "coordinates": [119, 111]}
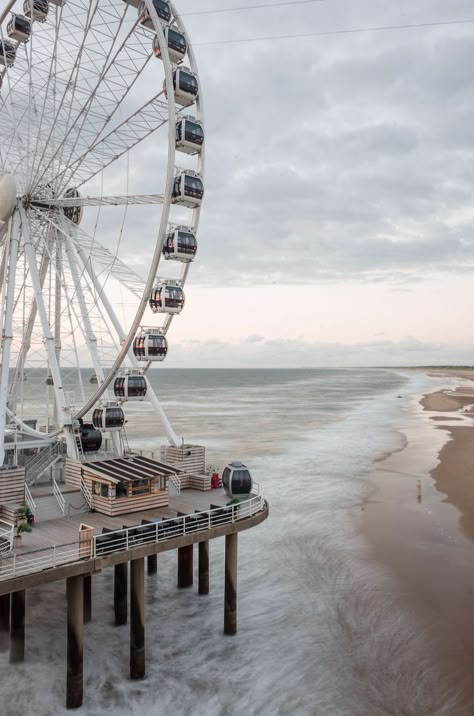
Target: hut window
{"type": "Point", "coordinates": [141, 487]}
{"type": "Point", "coordinates": [121, 489]}
{"type": "Point", "coordinates": [104, 490]}
{"type": "Point", "coordinates": [96, 488]}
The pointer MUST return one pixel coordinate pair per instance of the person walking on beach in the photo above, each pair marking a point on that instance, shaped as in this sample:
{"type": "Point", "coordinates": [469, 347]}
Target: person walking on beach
{"type": "Point", "coordinates": [418, 490]}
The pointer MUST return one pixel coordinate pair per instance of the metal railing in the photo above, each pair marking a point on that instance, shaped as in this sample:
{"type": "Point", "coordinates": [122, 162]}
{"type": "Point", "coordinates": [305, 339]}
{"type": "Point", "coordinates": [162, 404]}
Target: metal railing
{"type": "Point", "coordinates": [6, 536]}
{"type": "Point", "coordinates": [44, 459]}
{"type": "Point", "coordinates": [29, 500]}
{"type": "Point", "coordinates": [152, 532]}
{"type": "Point", "coordinates": [86, 492]}
{"type": "Point", "coordinates": [59, 497]}
{"type": "Point", "coordinates": [176, 482]}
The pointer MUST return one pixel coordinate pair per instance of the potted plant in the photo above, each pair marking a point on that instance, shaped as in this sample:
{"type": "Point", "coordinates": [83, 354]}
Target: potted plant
{"type": "Point", "coordinates": [21, 526]}
{"type": "Point", "coordinates": [234, 505]}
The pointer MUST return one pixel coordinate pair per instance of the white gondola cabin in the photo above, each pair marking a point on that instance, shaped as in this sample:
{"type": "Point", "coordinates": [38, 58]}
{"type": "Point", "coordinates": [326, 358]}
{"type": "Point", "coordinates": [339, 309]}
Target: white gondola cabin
{"type": "Point", "coordinates": [189, 135]}
{"type": "Point", "coordinates": [237, 480]}
{"type": "Point", "coordinates": [167, 297]}
{"type": "Point", "coordinates": [73, 213]}
{"type": "Point", "coordinates": [185, 86]}
{"type": "Point", "coordinates": [177, 45]}
{"type": "Point", "coordinates": [150, 345]}
{"type": "Point", "coordinates": [36, 9]}
{"type": "Point", "coordinates": [7, 53]}
{"type": "Point", "coordinates": [163, 11]}
{"type": "Point", "coordinates": [188, 189]}
{"type": "Point", "coordinates": [180, 244]}
{"type": "Point", "coordinates": [19, 28]}
{"type": "Point", "coordinates": [108, 418]}
{"type": "Point", "coordinates": [130, 387]}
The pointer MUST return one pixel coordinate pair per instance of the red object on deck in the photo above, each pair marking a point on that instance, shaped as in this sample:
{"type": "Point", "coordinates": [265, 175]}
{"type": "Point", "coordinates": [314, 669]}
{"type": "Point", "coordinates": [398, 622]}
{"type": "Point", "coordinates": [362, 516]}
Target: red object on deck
{"type": "Point", "coordinates": [214, 480]}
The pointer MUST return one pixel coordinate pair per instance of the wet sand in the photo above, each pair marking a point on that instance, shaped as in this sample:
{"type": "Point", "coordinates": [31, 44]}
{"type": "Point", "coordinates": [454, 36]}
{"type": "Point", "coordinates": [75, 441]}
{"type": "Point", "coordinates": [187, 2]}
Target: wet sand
{"type": "Point", "coordinates": [420, 524]}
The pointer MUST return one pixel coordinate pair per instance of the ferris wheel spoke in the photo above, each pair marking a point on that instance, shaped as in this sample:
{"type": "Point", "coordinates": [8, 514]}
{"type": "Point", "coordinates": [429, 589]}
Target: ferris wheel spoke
{"type": "Point", "coordinates": [122, 200]}
{"type": "Point", "coordinates": [100, 255]}
{"type": "Point", "coordinates": [119, 141]}
{"type": "Point", "coordinates": [115, 82]}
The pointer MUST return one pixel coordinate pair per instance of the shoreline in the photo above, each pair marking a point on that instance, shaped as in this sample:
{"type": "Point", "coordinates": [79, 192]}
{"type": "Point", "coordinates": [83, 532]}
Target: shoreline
{"type": "Point", "coordinates": [419, 523]}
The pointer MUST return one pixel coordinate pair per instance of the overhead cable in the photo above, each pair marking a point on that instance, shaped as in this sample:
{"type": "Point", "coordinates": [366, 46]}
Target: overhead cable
{"type": "Point", "coordinates": [250, 7]}
{"type": "Point", "coordinates": [326, 33]}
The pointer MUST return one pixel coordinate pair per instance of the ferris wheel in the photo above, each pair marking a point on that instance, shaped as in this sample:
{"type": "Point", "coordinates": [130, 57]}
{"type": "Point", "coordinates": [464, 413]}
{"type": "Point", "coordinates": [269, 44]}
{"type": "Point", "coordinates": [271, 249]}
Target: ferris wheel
{"type": "Point", "coordinates": [98, 217]}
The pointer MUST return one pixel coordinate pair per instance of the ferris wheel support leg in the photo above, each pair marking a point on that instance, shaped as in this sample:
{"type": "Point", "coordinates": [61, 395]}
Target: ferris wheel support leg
{"type": "Point", "coordinates": [26, 343]}
{"type": "Point", "coordinates": [171, 435]}
{"type": "Point", "coordinates": [11, 263]}
{"type": "Point", "coordinates": [64, 417]}
{"type": "Point", "coordinates": [91, 340]}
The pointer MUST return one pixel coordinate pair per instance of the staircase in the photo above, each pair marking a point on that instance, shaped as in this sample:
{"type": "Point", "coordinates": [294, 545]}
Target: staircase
{"type": "Point", "coordinates": [36, 466]}
{"type": "Point", "coordinates": [47, 506]}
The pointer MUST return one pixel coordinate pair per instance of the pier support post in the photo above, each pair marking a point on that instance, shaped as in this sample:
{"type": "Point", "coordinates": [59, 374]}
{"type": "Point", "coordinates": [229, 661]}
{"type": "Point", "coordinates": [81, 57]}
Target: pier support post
{"type": "Point", "coordinates": [120, 593]}
{"type": "Point", "coordinates": [75, 633]}
{"type": "Point", "coordinates": [203, 567]}
{"type": "Point", "coordinates": [185, 566]}
{"type": "Point", "coordinates": [152, 564]}
{"type": "Point", "coordinates": [4, 621]}
{"type": "Point", "coordinates": [87, 598]}
{"type": "Point", "coordinates": [230, 597]}
{"type": "Point", "coordinates": [137, 618]}
{"type": "Point", "coordinates": [17, 627]}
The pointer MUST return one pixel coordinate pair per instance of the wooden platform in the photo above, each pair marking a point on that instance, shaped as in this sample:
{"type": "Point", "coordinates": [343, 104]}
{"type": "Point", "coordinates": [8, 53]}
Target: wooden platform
{"type": "Point", "coordinates": [66, 529]}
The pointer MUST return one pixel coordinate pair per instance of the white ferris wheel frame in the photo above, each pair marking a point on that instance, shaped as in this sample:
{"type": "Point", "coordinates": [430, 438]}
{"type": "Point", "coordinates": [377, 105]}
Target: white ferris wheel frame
{"type": "Point", "coordinates": [18, 228]}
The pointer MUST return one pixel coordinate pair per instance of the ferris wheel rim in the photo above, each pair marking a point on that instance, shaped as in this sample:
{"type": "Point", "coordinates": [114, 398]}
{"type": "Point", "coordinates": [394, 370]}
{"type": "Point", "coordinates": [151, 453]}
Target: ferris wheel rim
{"type": "Point", "coordinates": [158, 247]}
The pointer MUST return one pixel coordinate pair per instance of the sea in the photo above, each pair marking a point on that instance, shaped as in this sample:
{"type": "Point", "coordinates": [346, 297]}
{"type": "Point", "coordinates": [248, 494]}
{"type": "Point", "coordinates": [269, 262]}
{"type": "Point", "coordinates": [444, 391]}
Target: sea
{"type": "Point", "coordinates": [319, 630]}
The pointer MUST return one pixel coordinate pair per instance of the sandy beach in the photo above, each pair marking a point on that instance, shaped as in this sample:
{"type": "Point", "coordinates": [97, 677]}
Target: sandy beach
{"type": "Point", "coordinates": [420, 523]}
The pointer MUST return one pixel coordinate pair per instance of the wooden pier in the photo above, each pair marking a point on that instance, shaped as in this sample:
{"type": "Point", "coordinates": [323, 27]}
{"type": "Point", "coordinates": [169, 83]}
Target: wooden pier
{"type": "Point", "coordinates": [52, 552]}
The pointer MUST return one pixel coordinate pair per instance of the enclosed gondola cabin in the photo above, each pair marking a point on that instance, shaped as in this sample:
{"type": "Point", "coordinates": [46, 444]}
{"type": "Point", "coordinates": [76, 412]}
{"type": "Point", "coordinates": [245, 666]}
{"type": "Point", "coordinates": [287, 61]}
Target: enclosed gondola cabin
{"type": "Point", "coordinates": [188, 189]}
{"type": "Point", "coordinates": [130, 387]}
{"type": "Point", "coordinates": [163, 11]}
{"type": "Point", "coordinates": [176, 42]}
{"type": "Point", "coordinates": [36, 9]}
{"type": "Point", "coordinates": [237, 480]}
{"type": "Point", "coordinates": [189, 135]}
{"type": "Point", "coordinates": [167, 297]}
{"type": "Point", "coordinates": [108, 418]}
{"type": "Point", "coordinates": [73, 213]}
{"type": "Point", "coordinates": [7, 53]}
{"type": "Point", "coordinates": [185, 86]}
{"type": "Point", "coordinates": [180, 245]}
{"type": "Point", "coordinates": [150, 345]}
{"type": "Point", "coordinates": [19, 28]}
{"type": "Point", "coordinates": [90, 438]}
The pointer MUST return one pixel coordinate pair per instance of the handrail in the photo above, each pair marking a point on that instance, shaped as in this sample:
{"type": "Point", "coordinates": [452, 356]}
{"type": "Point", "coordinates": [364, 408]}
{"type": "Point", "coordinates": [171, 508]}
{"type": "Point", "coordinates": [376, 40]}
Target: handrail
{"type": "Point", "coordinates": [6, 533]}
{"type": "Point", "coordinates": [119, 540]}
{"type": "Point", "coordinates": [59, 497]}
{"type": "Point", "coordinates": [86, 492]}
{"type": "Point", "coordinates": [29, 500]}
{"type": "Point", "coordinates": [176, 482]}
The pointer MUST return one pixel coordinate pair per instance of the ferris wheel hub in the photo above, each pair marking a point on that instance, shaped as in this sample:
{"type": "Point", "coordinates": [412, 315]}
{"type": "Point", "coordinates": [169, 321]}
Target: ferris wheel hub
{"type": "Point", "coordinates": [7, 196]}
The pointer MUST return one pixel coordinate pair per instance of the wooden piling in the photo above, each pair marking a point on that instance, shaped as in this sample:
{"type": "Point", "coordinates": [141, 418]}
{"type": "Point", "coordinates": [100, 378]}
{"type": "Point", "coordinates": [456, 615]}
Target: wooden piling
{"type": "Point", "coordinates": [152, 564]}
{"type": "Point", "coordinates": [87, 598]}
{"type": "Point", "coordinates": [17, 627]}
{"type": "Point", "coordinates": [185, 566]}
{"type": "Point", "coordinates": [4, 621]}
{"type": "Point", "coordinates": [203, 587]}
{"type": "Point", "coordinates": [137, 618]}
{"type": "Point", "coordinates": [75, 635]}
{"type": "Point", "coordinates": [230, 596]}
{"type": "Point", "coordinates": [120, 593]}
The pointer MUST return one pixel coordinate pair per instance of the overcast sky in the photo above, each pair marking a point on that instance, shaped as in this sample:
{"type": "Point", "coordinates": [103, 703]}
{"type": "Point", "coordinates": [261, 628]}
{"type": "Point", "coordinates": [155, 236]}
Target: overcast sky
{"type": "Point", "coordinates": [338, 215]}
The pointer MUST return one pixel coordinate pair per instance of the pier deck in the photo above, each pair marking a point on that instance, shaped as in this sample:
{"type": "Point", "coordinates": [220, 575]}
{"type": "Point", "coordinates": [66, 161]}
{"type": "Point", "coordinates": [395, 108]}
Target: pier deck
{"type": "Point", "coordinates": [64, 530]}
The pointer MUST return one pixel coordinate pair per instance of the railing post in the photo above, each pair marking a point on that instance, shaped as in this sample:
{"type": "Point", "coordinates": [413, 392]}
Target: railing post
{"type": "Point", "coordinates": [126, 539]}
{"type": "Point", "coordinates": [54, 555]}
{"type": "Point", "coordinates": [209, 518]}
{"type": "Point", "coordinates": [184, 525]}
{"type": "Point", "coordinates": [14, 565]}
{"type": "Point", "coordinates": [94, 547]}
